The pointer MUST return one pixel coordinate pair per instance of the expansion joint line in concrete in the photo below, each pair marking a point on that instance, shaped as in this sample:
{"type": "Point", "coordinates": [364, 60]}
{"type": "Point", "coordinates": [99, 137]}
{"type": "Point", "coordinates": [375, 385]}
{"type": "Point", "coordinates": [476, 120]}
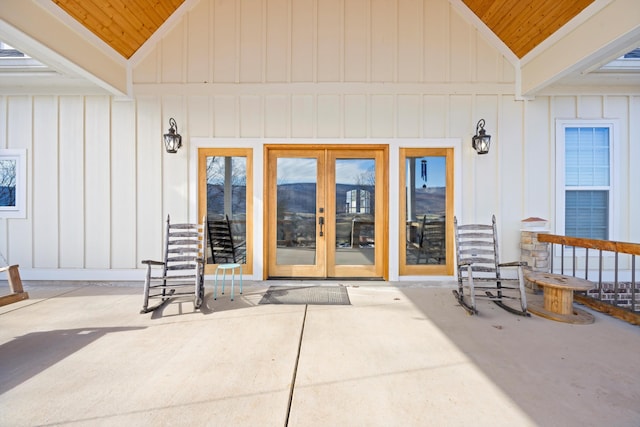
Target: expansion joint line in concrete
{"type": "Point", "coordinates": [295, 367]}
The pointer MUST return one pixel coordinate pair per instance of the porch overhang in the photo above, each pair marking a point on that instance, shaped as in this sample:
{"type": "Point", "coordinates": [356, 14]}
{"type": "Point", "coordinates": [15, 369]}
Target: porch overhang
{"type": "Point", "coordinates": [30, 28]}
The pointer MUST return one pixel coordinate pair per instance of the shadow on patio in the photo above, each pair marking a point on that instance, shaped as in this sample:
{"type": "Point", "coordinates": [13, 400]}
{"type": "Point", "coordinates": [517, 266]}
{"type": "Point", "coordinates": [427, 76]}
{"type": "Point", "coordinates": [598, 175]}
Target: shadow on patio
{"type": "Point", "coordinates": [558, 373]}
{"type": "Point", "coordinates": [28, 355]}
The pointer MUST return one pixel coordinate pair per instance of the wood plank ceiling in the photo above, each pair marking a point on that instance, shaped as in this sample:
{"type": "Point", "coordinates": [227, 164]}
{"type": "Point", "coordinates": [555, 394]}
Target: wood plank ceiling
{"type": "Point", "coordinates": [126, 24]}
{"type": "Point", "coordinates": [524, 24]}
{"type": "Point", "coordinates": [123, 24]}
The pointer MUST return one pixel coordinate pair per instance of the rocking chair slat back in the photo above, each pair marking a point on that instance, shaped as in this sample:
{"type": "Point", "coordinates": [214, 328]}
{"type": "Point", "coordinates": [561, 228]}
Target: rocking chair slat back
{"type": "Point", "coordinates": [477, 257]}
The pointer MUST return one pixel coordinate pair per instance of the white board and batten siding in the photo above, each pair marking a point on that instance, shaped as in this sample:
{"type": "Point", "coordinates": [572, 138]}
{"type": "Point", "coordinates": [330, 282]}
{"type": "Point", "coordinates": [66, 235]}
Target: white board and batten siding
{"type": "Point", "coordinates": [397, 72]}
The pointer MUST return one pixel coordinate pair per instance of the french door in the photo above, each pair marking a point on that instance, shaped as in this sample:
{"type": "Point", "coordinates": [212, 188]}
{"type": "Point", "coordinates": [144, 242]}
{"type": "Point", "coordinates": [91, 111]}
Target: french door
{"type": "Point", "coordinates": [326, 211]}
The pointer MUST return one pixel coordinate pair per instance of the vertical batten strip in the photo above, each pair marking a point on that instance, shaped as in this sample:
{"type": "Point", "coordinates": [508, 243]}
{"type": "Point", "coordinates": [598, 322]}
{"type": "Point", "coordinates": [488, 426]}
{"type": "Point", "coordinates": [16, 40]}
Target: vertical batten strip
{"type": "Point", "coordinates": [342, 52]}
{"type": "Point", "coordinates": [396, 51]}
{"type": "Point", "coordinates": [262, 100]}
{"type": "Point", "coordinates": [237, 18]}
{"type": "Point", "coordinates": [265, 41]}
{"type": "Point", "coordinates": [58, 180]}
{"type": "Point", "coordinates": [394, 119]}
{"type": "Point", "coordinates": [184, 52]}
{"type": "Point", "coordinates": [289, 56]}
{"type": "Point", "coordinates": [314, 68]}
{"type": "Point", "coordinates": [4, 228]}
{"type": "Point", "coordinates": [158, 57]}
{"type": "Point", "coordinates": [238, 117]}
{"type": "Point", "coordinates": [212, 44]}
{"type": "Point", "coordinates": [369, 60]}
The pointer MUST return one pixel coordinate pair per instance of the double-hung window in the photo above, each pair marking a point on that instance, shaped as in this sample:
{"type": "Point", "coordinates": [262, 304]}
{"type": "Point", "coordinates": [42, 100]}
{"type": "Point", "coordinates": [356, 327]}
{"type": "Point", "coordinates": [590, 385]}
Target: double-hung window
{"type": "Point", "coordinates": [584, 156]}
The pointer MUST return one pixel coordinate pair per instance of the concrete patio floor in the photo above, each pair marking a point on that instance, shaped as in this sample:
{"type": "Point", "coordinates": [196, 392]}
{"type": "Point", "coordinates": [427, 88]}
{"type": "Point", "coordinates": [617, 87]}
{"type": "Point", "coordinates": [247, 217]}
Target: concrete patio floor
{"type": "Point", "coordinates": [400, 355]}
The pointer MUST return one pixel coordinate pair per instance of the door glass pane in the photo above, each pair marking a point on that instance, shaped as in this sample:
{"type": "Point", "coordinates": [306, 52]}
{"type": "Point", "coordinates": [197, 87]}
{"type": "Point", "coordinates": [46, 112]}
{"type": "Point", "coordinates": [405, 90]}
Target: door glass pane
{"type": "Point", "coordinates": [296, 211]}
{"type": "Point", "coordinates": [426, 210]}
{"type": "Point", "coordinates": [226, 207]}
{"type": "Point", "coordinates": [355, 211]}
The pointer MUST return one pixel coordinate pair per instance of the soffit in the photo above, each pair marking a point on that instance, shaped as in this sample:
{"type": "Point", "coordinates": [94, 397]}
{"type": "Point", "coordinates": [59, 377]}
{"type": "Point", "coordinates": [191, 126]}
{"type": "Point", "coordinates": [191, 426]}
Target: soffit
{"type": "Point", "coordinates": [524, 24]}
{"type": "Point", "coordinates": [125, 25]}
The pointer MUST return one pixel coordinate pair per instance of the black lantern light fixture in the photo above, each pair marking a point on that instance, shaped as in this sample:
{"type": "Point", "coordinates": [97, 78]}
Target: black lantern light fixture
{"type": "Point", "coordinates": [172, 140]}
{"type": "Point", "coordinates": [481, 140]}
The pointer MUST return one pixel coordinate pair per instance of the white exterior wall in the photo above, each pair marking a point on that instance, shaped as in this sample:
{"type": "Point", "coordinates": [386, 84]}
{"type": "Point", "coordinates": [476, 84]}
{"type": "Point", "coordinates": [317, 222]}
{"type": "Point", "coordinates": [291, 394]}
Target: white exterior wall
{"type": "Point", "coordinates": [100, 184]}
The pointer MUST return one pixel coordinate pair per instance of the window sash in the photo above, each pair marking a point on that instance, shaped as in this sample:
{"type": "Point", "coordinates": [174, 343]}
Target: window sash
{"type": "Point", "coordinates": [587, 156]}
{"type": "Point", "coordinates": [587, 214]}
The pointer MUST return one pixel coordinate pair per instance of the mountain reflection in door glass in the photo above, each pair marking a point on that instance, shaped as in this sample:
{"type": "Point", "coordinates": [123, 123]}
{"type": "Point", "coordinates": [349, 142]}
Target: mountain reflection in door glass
{"type": "Point", "coordinates": [355, 211]}
{"type": "Point", "coordinates": [296, 211]}
{"type": "Point", "coordinates": [426, 210]}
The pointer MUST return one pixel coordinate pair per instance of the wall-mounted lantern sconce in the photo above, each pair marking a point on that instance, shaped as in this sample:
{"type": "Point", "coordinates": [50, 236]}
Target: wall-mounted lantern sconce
{"type": "Point", "coordinates": [481, 140]}
{"type": "Point", "coordinates": [172, 140]}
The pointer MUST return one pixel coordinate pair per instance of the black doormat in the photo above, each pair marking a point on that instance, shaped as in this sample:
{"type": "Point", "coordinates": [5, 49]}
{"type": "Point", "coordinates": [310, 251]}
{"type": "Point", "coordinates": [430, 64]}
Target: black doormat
{"type": "Point", "coordinates": [314, 295]}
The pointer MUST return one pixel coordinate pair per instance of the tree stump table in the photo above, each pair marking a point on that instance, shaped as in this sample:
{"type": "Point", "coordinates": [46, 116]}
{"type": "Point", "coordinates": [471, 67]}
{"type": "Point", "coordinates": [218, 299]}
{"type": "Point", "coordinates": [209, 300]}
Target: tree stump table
{"type": "Point", "coordinates": [558, 297]}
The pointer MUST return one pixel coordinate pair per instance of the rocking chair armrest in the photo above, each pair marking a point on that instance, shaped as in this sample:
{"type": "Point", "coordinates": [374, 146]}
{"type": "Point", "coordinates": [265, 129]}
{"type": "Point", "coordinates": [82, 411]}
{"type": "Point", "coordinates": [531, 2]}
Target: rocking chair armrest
{"type": "Point", "coordinates": [150, 262]}
{"type": "Point", "coordinates": [464, 264]}
{"type": "Point", "coordinates": [513, 264]}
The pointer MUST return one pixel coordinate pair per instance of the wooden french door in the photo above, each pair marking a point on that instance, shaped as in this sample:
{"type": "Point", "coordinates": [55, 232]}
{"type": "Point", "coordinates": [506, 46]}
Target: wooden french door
{"type": "Point", "coordinates": [326, 211]}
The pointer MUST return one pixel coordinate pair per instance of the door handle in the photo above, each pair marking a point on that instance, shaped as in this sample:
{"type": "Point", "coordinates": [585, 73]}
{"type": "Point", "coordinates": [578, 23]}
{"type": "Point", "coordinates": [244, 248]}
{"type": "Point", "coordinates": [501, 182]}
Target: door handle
{"type": "Point", "coordinates": [321, 223]}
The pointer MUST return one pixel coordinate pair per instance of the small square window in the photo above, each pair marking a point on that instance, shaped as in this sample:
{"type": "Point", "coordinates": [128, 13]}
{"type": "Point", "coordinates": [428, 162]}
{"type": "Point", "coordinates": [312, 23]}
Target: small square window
{"type": "Point", "coordinates": [13, 183]}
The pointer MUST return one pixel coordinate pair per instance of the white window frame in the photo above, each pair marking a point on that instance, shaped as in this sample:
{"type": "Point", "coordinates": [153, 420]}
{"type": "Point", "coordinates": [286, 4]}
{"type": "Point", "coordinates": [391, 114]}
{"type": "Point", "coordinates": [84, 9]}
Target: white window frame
{"type": "Point", "coordinates": [19, 210]}
{"type": "Point", "coordinates": [613, 126]}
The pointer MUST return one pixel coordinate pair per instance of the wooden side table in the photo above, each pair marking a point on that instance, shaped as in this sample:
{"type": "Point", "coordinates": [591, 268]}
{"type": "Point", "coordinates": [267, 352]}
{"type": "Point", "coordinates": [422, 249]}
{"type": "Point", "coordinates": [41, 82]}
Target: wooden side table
{"type": "Point", "coordinates": [558, 297]}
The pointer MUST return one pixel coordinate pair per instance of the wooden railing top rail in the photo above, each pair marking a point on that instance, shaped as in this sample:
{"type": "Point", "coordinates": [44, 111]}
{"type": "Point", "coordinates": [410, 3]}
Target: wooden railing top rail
{"type": "Point", "coordinates": [605, 245]}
